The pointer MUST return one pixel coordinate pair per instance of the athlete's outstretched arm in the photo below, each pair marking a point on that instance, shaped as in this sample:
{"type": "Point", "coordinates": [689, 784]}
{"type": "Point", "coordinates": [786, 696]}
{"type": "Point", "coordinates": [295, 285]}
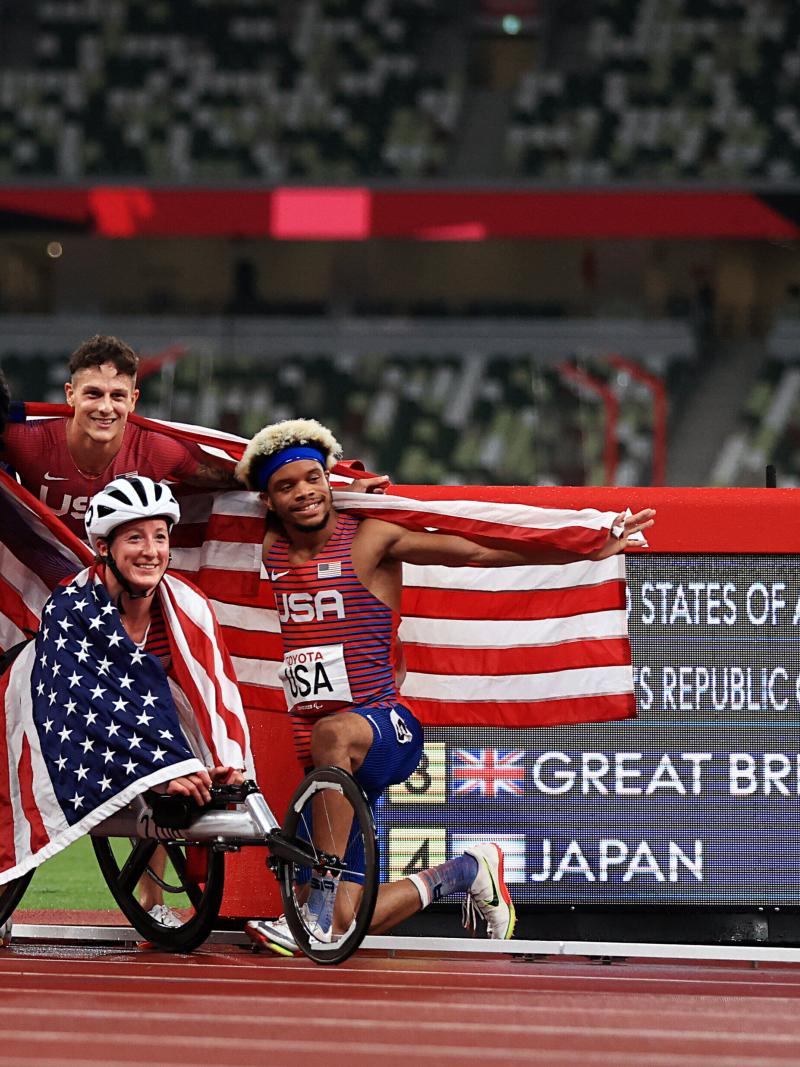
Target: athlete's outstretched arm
{"type": "Point", "coordinates": [408, 546]}
{"type": "Point", "coordinates": [209, 476]}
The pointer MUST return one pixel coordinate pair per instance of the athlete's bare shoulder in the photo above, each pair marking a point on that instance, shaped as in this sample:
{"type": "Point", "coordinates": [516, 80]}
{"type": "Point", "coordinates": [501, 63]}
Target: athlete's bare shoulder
{"type": "Point", "coordinates": [371, 562]}
{"type": "Point", "coordinates": [376, 532]}
{"type": "Point", "coordinates": [272, 532]}
{"type": "Point", "coordinates": [373, 539]}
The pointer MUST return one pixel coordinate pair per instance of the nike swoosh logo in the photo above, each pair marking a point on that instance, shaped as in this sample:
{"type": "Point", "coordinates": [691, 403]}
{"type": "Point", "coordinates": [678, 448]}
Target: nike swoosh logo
{"type": "Point", "coordinates": [493, 903]}
{"type": "Point", "coordinates": [277, 574]}
{"type": "Point", "coordinates": [53, 477]}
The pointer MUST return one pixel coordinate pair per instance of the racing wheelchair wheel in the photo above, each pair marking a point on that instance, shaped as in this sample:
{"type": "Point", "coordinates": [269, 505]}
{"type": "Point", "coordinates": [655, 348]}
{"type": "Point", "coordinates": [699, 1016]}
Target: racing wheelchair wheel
{"type": "Point", "coordinates": [11, 894]}
{"type": "Point", "coordinates": [325, 793]}
{"type": "Point", "coordinates": [200, 876]}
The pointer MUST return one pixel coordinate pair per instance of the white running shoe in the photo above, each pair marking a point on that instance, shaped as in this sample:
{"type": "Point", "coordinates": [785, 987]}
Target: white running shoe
{"type": "Point", "coordinates": [166, 916]}
{"type": "Point", "coordinates": [274, 934]}
{"type": "Point", "coordinates": [5, 933]}
{"type": "Point", "coordinates": [489, 895]}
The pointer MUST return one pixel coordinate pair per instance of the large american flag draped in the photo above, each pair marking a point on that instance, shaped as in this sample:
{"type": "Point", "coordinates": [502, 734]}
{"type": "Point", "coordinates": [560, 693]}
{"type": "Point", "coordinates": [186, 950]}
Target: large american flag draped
{"type": "Point", "coordinates": [512, 646]}
{"type": "Point", "coordinates": [36, 552]}
{"type": "Point", "coordinates": [91, 721]}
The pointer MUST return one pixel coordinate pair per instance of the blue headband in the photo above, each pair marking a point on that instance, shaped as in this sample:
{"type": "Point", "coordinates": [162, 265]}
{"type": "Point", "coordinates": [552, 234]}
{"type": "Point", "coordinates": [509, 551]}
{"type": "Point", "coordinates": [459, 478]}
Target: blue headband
{"type": "Point", "coordinates": [286, 455]}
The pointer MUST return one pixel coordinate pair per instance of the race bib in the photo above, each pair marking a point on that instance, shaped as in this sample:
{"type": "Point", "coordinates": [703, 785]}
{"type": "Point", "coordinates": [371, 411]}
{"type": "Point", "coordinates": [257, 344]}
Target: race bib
{"type": "Point", "coordinates": [315, 679]}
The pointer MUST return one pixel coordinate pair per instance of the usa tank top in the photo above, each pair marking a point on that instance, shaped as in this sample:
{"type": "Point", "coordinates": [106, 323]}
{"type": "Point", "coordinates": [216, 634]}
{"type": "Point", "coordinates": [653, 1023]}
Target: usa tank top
{"type": "Point", "coordinates": [338, 639]}
{"type": "Point", "coordinates": [156, 640]}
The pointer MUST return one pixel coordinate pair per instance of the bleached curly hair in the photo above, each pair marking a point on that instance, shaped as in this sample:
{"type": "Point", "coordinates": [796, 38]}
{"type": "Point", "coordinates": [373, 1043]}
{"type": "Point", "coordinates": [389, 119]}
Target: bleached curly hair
{"type": "Point", "coordinates": [280, 435]}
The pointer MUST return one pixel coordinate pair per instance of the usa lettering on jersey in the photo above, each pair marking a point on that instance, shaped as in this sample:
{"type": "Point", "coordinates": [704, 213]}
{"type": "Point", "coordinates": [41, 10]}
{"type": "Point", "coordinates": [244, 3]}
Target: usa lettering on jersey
{"type": "Point", "coordinates": [305, 607]}
{"type": "Point", "coordinates": [74, 506]}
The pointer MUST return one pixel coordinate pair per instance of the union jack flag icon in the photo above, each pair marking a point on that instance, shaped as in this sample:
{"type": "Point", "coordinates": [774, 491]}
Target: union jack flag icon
{"type": "Point", "coordinates": [488, 771]}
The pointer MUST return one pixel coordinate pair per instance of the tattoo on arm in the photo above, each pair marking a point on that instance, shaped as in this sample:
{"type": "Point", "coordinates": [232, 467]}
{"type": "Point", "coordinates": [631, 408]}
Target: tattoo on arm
{"type": "Point", "coordinates": [211, 477]}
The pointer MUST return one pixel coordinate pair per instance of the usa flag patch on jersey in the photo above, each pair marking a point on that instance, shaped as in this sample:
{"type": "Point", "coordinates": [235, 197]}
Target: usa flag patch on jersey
{"type": "Point", "coordinates": [331, 569]}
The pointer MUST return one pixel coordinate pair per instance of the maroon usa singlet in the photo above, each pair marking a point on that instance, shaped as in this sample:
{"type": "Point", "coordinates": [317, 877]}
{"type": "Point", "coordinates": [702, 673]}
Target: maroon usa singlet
{"type": "Point", "coordinates": [338, 639]}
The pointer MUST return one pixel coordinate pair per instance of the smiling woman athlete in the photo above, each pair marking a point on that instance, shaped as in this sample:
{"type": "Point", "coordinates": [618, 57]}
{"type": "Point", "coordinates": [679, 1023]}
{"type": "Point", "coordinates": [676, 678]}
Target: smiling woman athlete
{"type": "Point", "coordinates": [128, 525]}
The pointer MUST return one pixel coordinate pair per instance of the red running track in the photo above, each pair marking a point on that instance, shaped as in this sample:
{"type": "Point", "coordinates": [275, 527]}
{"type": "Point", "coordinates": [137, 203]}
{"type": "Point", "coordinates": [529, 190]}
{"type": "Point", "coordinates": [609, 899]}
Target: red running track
{"type": "Point", "coordinates": [113, 1007]}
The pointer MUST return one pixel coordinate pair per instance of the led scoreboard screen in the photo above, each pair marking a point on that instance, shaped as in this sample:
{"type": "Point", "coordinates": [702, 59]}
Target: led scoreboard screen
{"type": "Point", "coordinates": [693, 802]}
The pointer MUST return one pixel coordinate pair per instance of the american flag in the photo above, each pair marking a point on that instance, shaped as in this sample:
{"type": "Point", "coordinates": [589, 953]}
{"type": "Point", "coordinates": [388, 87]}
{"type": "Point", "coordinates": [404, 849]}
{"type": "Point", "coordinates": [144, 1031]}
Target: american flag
{"type": "Point", "coordinates": [36, 552]}
{"type": "Point", "coordinates": [331, 569]}
{"type": "Point", "coordinates": [488, 771]}
{"type": "Point", "coordinates": [92, 721]}
{"type": "Point", "coordinates": [511, 646]}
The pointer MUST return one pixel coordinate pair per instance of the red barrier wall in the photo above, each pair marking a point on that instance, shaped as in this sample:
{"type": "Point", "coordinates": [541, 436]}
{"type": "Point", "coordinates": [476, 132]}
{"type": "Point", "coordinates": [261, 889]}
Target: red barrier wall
{"type": "Point", "coordinates": [250, 889]}
{"type": "Point", "coordinates": [688, 520]}
{"type": "Point", "coordinates": [357, 213]}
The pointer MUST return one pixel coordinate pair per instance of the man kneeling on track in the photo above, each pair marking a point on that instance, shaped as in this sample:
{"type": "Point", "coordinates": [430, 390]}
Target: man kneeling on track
{"type": "Point", "coordinates": [127, 687]}
{"type": "Point", "coordinates": [356, 720]}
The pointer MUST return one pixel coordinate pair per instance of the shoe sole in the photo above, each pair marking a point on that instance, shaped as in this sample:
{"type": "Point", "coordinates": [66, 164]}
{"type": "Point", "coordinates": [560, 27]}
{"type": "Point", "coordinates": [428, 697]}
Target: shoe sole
{"type": "Point", "coordinates": [501, 886]}
{"type": "Point", "coordinates": [260, 941]}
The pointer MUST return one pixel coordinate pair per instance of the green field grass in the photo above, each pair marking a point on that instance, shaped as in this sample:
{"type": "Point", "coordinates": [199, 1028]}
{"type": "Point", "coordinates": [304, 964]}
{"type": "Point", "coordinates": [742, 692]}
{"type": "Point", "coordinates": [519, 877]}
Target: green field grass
{"type": "Point", "coordinates": [69, 880]}
{"type": "Point", "coordinates": [72, 881]}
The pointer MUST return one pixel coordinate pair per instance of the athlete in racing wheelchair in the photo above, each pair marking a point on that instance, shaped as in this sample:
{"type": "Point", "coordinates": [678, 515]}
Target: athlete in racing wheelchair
{"type": "Point", "coordinates": [125, 721]}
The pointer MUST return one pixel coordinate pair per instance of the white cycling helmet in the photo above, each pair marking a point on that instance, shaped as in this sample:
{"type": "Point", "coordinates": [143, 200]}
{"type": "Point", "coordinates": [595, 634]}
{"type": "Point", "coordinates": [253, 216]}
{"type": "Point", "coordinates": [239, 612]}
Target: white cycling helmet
{"type": "Point", "coordinates": [127, 498]}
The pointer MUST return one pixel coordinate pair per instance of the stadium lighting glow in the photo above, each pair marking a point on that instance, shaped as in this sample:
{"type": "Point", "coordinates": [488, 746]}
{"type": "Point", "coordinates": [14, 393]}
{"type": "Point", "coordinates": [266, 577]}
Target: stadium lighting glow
{"type": "Point", "coordinates": [511, 24]}
{"type": "Point", "coordinates": [54, 249]}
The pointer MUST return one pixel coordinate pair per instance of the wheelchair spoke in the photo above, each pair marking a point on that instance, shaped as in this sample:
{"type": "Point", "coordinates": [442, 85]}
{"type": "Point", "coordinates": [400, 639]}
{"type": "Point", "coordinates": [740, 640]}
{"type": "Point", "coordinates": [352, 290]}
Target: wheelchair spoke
{"type": "Point", "coordinates": [178, 860]}
{"type": "Point", "coordinates": [330, 813]}
{"type": "Point", "coordinates": [136, 864]}
{"type": "Point", "coordinates": [123, 875]}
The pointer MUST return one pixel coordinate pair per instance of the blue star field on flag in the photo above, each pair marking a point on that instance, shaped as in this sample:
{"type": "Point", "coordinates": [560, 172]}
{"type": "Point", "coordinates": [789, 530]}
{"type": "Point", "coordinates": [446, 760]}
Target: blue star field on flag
{"type": "Point", "coordinates": [102, 706]}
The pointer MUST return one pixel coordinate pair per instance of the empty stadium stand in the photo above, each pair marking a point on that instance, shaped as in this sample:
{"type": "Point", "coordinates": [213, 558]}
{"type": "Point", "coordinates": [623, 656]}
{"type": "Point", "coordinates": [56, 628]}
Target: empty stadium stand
{"type": "Point", "coordinates": [447, 400]}
{"type": "Point", "coordinates": [341, 90]}
{"type": "Point", "coordinates": [768, 430]}
{"type": "Point", "coordinates": [216, 91]}
{"type": "Point", "coordinates": [666, 90]}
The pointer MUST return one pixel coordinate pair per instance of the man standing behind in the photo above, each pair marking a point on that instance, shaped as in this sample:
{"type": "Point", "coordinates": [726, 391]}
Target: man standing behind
{"type": "Point", "coordinates": [64, 462]}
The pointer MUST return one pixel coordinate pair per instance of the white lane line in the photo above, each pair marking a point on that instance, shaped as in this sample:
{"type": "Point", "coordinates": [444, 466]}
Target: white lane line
{"type": "Point", "coordinates": [735, 1008]}
{"type": "Point", "coordinates": [549, 1057]}
{"type": "Point", "coordinates": [699, 1036]}
{"type": "Point", "coordinates": [405, 1048]}
{"type": "Point", "coordinates": [483, 947]}
{"type": "Point", "coordinates": [448, 982]}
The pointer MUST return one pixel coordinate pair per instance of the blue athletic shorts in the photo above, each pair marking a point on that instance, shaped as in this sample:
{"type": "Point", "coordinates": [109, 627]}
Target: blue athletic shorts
{"type": "Point", "coordinates": [394, 755]}
{"type": "Point", "coordinates": [396, 748]}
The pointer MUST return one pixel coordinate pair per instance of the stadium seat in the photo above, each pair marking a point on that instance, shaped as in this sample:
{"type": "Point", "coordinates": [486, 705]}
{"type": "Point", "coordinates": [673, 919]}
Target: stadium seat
{"type": "Point", "coordinates": [735, 67]}
{"type": "Point", "coordinates": [214, 90]}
